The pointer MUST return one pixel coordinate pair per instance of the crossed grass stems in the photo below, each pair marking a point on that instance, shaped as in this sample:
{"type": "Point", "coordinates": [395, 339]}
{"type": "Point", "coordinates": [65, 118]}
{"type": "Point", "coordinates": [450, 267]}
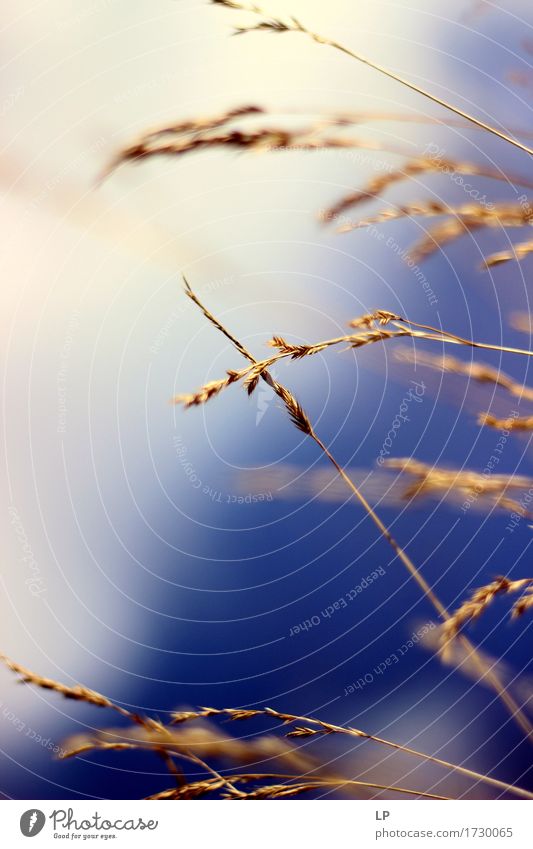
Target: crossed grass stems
{"type": "Point", "coordinates": [379, 326]}
{"type": "Point", "coordinates": [468, 217]}
{"type": "Point", "coordinates": [374, 325]}
{"type": "Point", "coordinates": [161, 738]}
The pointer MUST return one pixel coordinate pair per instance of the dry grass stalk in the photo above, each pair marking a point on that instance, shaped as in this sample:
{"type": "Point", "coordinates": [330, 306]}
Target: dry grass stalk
{"type": "Point", "coordinates": [524, 604]}
{"type": "Point", "coordinates": [302, 422]}
{"type": "Point", "coordinates": [479, 372]}
{"type": "Point", "coordinates": [76, 692]}
{"type": "Point", "coordinates": [207, 741]}
{"type": "Point", "coordinates": [373, 324]}
{"type": "Point", "coordinates": [79, 693]}
{"type": "Point", "coordinates": [185, 135]}
{"type": "Point", "coordinates": [478, 603]}
{"type": "Point", "coordinates": [292, 785]}
{"type": "Point", "coordinates": [497, 215]}
{"type": "Point", "coordinates": [459, 221]}
{"type": "Point", "coordinates": [440, 235]}
{"type": "Point", "coordinates": [412, 168]}
{"type": "Point", "coordinates": [199, 740]}
{"type": "Point", "coordinates": [295, 787]}
{"type": "Point", "coordinates": [231, 130]}
{"type": "Point", "coordinates": [158, 737]}
{"type": "Point", "coordinates": [294, 409]}
{"type": "Point", "coordinates": [309, 726]}
{"type": "Point", "coordinates": [434, 481]}
{"type": "Point", "coordinates": [516, 254]}
{"type": "Point", "coordinates": [426, 331]}
{"type": "Point", "coordinates": [518, 423]}
{"type": "Point", "coordinates": [274, 24]}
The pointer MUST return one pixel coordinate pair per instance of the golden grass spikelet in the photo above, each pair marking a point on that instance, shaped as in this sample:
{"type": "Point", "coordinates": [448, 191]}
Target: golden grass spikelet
{"type": "Point", "coordinates": [280, 791]}
{"type": "Point", "coordinates": [79, 693]}
{"type": "Point", "coordinates": [381, 317]}
{"type": "Point", "coordinates": [190, 790]}
{"type": "Point", "coordinates": [518, 423]}
{"type": "Point", "coordinates": [321, 727]}
{"type": "Point", "coordinates": [524, 604]}
{"type": "Point", "coordinates": [371, 336]}
{"type": "Point", "coordinates": [221, 132]}
{"type": "Point", "coordinates": [297, 414]}
{"type": "Point", "coordinates": [517, 253]}
{"type": "Point", "coordinates": [412, 168]}
{"type": "Point", "coordinates": [497, 215]}
{"type": "Point", "coordinates": [205, 786]}
{"type": "Point", "coordinates": [459, 221]}
{"type": "Point", "coordinates": [205, 393]}
{"type": "Point", "coordinates": [87, 744]}
{"type": "Point", "coordinates": [295, 352]}
{"type": "Point", "coordinates": [432, 481]}
{"type": "Point", "coordinates": [76, 692]}
{"type": "Point", "coordinates": [303, 731]}
{"type": "Point", "coordinates": [440, 235]}
{"type": "Point", "coordinates": [377, 185]}
{"type": "Point", "coordinates": [475, 606]}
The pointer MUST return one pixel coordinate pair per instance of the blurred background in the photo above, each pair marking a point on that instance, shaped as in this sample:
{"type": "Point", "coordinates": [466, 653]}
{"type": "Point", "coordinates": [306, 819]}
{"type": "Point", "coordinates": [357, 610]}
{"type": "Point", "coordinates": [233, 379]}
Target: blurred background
{"type": "Point", "coordinates": [162, 557]}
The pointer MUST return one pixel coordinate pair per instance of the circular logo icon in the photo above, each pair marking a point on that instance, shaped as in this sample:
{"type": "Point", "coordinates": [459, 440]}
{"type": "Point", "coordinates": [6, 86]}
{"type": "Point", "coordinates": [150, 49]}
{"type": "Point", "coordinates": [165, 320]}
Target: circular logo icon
{"type": "Point", "coordinates": [32, 822]}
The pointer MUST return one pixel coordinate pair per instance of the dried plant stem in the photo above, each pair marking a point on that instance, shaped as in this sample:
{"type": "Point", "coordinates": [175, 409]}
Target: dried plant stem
{"type": "Point", "coordinates": [275, 24]}
{"type": "Point", "coordinates": [321, 727]}
{"type": "Point", "coordinates": [296, 783]}
{"type": "Point", "coordinates": [231, 130]}
{"type": "Point", "coordinates": [76, 692]}
{"type": "Point", "coordinates": [160, 745]}
{"type": "Point", "coordinates": [81, 694]}
{"type": "Point", "coordinates": [483, 669]}
{"type": "Point", "coordinates": [517, 253]}
{"type": "Point", "coordinates": [302, 422]}
{"type": "Point", "coordinates": [226, 780]}
{"type": "Point", "coordinates": [480, 600]}
{"type": "Point", "coordinates": [398, 550]}
{"type": "Point", "coordinates": [524, 423]}
{"type": "Point", "coordinates": [374, 332]}
{"type": "Point", "coordinates": [311, 782]}
{"type": "Point", "coordinates": [479, 372]}
{"type": "Point", "coordinates": [420, 165]}
{"type": "Point", "coordinates": [305, 782]}
{"type": "Point", "coordinates": [468, 214]}
{"type": "Point", "coordinates": [457, 222]}
{"type": "Point", "coordinates": [452, 338]}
